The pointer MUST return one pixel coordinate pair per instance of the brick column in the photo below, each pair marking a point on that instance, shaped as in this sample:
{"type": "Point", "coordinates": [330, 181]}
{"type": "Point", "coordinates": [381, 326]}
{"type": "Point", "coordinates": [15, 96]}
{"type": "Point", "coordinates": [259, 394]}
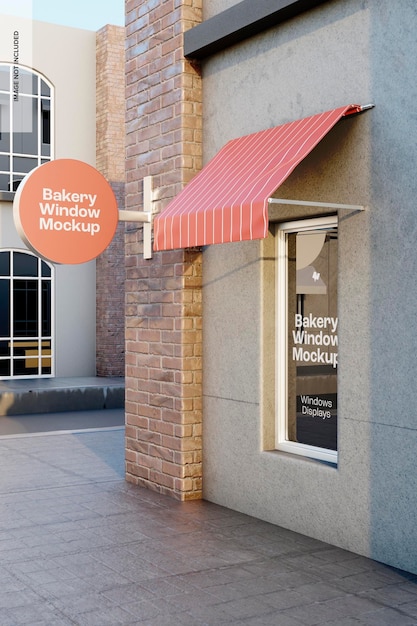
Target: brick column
{"type": "Point", "coordinates": [110, 156]}
{"type": "Point", "coordinates": [163, 295]}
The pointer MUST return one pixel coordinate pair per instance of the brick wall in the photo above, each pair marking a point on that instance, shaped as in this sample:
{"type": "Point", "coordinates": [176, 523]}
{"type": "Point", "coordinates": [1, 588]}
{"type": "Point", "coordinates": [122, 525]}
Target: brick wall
{"type": "Point", "coordinates": [110, 156]}
{"type": "Point", "coordinates": [163, 295]}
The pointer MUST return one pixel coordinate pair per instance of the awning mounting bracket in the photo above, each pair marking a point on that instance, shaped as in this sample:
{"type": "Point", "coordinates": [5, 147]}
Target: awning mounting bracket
{"type": "Point", "coordinates": [322, 205]}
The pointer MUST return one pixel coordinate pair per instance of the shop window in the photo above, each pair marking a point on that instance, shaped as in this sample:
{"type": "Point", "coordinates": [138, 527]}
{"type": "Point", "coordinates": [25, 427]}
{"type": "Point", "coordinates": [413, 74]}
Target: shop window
{"type": "Point", "coordinates": [26, 324]}
{"type": "Point", "coordinates": [307, 338]}
{"type": "Point", "coordinates": [25, 124]}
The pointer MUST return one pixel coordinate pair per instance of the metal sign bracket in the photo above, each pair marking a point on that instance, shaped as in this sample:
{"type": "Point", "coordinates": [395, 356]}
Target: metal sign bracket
{"type": "Point", "coordinates": [146, 216]}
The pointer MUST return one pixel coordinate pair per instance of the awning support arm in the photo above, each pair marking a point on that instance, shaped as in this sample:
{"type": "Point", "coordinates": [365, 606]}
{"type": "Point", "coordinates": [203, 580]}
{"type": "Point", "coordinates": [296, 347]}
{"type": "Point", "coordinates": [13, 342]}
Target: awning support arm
{"type": "Point", "coordinates": [146, 216]}
{"type": "Point", "coordinates": [323, 205]}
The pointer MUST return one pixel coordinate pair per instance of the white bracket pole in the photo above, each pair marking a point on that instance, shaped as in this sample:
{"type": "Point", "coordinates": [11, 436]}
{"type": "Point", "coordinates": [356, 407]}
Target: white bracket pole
{"type": "Point", "coordinates": [146, 216]}
{"type": "Point", "coordinates": [323, 205]}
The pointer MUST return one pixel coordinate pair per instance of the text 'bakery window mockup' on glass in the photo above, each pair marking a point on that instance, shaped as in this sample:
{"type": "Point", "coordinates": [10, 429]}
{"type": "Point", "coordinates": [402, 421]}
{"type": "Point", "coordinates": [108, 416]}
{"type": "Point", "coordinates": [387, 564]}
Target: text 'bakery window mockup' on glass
{"type": "Point", "coordinates": [307, 338]}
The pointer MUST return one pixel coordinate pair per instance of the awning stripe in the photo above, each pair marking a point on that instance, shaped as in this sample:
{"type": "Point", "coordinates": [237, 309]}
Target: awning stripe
{"type": "Point", "coordinates": [228, 199]}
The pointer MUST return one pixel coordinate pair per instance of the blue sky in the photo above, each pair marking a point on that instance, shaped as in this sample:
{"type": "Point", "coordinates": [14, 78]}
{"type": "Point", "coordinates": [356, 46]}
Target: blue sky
{"type": "Point", "coordinates": [89, 14]}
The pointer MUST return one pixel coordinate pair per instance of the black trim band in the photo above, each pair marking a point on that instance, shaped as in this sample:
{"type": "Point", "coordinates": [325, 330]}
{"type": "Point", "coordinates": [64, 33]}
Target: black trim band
{"type": "Point", "coordinates": [241, 21]}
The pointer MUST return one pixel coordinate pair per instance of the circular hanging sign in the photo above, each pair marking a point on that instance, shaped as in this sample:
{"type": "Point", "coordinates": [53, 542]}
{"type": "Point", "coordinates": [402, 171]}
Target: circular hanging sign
{"type": "Point", "coordinates": [65, 211]}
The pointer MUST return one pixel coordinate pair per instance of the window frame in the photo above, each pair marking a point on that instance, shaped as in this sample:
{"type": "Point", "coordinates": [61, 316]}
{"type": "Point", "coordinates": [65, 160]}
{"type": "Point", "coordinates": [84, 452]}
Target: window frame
{"type": "Point", "coordinates": [39, 337]}
{"type": "Point", "coordinates": [37, 94]}
{"type": "Point", "coordinates": [281, 341]}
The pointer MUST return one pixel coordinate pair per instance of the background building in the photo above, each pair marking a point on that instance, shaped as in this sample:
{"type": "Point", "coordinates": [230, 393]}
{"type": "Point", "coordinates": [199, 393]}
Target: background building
{"type": "Point", "coordinates": [238, 383]}
{"type": "Point", "coordinates": [56, 84]}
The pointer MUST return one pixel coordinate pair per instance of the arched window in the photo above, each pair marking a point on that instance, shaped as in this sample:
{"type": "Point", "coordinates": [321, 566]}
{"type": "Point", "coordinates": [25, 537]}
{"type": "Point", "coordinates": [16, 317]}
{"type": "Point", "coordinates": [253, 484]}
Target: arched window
{"type": "Point", "coordinates": [25, 123]}
{"type": "Point", "coordinates": [26, 322]}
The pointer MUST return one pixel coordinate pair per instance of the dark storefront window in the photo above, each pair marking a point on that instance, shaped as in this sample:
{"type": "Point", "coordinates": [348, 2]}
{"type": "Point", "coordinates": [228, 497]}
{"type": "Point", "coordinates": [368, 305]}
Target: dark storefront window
{"type": "Point", "coordinates": [26, 284]}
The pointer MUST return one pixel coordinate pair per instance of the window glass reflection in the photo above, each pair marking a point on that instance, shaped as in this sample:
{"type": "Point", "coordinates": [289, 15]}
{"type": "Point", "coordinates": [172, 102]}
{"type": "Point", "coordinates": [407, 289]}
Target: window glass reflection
{"type": "Point", "coordinates": [25, 315]}
{"type": "Point", "coordinates": [312, 338]}
{"type": "Point", "coordinates": [25, 264]}
{"type": "Point", "coordinates": [25, 310]}
{"type": "Point", "coordinates": [4, 308]}
{"type": "Point", "coordinates": [4, 263]}
{"type": "Point", "coordinates": [25, 126]}
{"type": "Point", "coordinates": [4, 78]}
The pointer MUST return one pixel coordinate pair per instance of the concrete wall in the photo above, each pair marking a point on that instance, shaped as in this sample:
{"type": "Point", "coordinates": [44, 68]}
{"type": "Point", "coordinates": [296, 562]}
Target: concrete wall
{"type": "Point", "coordinates": [66, 57]}
{"type": "Point", "coordinates": [342, 52]}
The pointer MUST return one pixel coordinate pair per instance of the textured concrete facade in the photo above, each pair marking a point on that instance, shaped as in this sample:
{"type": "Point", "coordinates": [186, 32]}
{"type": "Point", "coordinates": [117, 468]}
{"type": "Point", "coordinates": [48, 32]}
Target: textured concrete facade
{"type": "Point", "coordinates": [110, 147]}
{"type": "Point", "coordinates": [339, 53]}
{"type": "Point", "coordinates": [163, 295]}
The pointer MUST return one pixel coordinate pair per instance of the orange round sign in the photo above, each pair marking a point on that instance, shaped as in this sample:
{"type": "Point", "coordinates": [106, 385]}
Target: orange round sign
{"type": "Point", "coordinates": [65, 211]}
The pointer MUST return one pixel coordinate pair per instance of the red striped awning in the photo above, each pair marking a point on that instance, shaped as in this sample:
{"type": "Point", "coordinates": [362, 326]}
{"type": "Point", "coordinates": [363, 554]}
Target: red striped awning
{"type": "Point", "coordinates": [228, 199]}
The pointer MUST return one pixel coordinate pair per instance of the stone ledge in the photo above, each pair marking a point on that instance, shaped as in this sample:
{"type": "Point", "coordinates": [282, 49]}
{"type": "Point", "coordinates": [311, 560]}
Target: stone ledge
{"type": "Point", "coordinates": [21, 397]}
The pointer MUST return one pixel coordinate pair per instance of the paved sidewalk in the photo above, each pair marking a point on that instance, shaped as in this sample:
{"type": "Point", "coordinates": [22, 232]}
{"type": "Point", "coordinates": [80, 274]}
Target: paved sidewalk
{"type": "Point", "coordinates": [80, 546]}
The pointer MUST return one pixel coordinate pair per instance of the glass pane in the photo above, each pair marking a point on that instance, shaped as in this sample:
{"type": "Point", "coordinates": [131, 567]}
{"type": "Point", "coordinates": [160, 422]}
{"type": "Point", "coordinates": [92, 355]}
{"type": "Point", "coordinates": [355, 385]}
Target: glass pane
{"type": "Point", "coordinates": [46, 366]}
{"type": "Point", "coordinates": [5, 367]}
{"type": "Point", "coordinates": [46, 126]}
{"type": "Point", "coordinates": [4, 182]}
{"type": "Point", "coordinates": [25, 126]}
{"type": "Point", "coordinates": [4, 163]}
{"type": "Point", "coordinates": [25, 312]}
{"type": "Point", "coordinates": [45, 90]}
{"type": "Point", "coordinates": [4, 122]}
{"type": "Point", "coordinates": [22, 348]}
{"type": "Point", "coordinates": [4, 263]}
{"type": "Point", "coordinates": [4, 308]}
{"type": "Point", "coordinates": [46, 361]}
{"type": "Point", "coordinates": [46, 308]}
{"type": "Point", "coordinates": [46, 270]}
{"type": "Point", "coordinates": [15, 182]}
{"type": "Point", "coordinates": [4, 348]}
{"type": "Point", "coordinates": [26, 367]}
{"type": "Point", "coordinates": [27, 82]}
{"type": "Point", "coordinates": [24, 264]}
{"type": "Point", "coordinates": [5, 77]}
{"type": "Point", "coordinates": [312, 338]}
{"type": "Point", "coordinates": [24, 164]}
{"type": "Point", "coordinates": [4, 140]}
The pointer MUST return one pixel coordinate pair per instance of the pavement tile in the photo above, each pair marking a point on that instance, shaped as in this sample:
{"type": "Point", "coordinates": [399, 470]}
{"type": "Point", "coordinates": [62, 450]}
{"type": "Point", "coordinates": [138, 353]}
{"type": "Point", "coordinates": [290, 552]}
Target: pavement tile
{"type": "Point", "coordinates": [271, 619]}
{"type": "Point", "coordinates": [387, 617]}
{"type": "Point", "coordinates": [318, 613]}
{"type": "Point", "coordinates": [167, 586]}
{"type": "Point", "coordinates": [181, 619]}
{"type": "Point", "coordinates": [115, 616]}
{"type": "Point", "coordinates": [410, 609]}
{"type": "Point", "coordinates": [391, 595]}
{"type": "Point", "coordinates": [215, 615]}
{"type": "Point", "coordinates": [247, 607]}
{"type": "Point", "coordinates": [75, 604]}
{"type": "Point", "coordinates": [11, 599]}
{"type": "Point", "coordinates": [30, 613]}
{"type": "Point", "coordinates": [286, 599]}
{"type": "Point", "coordinates": [345, 621]}
{"type": "Point", "coordinates": [80, 546]}
{"type": "Point", "coordinates": [125, 594]}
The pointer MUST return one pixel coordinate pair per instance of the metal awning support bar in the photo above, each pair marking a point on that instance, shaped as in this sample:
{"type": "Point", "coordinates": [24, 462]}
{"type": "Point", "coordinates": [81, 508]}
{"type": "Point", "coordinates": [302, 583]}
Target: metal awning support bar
{"type": "Point", "coordinates": [146, 216]}
{"type": "Point", "coordinates": [323, 205]}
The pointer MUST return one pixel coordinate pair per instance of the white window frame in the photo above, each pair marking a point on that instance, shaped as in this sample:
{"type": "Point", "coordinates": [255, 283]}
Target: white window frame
{"type": "Point", "coordinates": [281, 342]}
{"type": "Point", "coordinates": [39, 337]}
{"type": "Point", "coordinates": [14, 175]}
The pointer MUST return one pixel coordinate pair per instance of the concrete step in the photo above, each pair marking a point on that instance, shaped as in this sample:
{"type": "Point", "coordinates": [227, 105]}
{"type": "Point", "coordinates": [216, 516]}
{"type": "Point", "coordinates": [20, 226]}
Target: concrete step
{"type": "Point", "coordinates": [53, 395]}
